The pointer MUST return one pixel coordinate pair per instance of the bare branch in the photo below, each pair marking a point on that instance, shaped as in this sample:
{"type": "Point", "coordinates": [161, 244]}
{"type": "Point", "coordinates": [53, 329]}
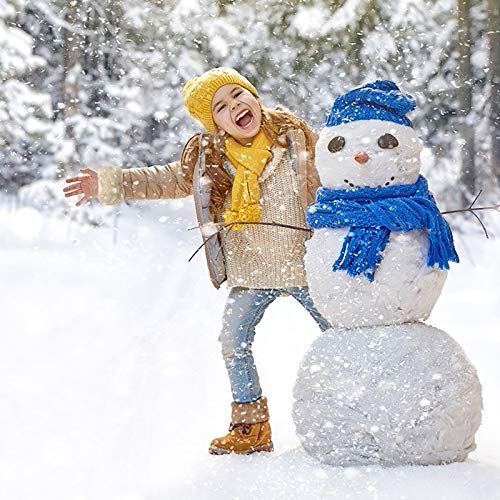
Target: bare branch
{"type": "Point", "coordinates": [229, 226]}
{"type": "Point", "coordinates": [480, 222]}
{"type": "Point", "coordinates": [203, 244]}
{"type": "Point", "coordinates": [223, 226]}
{"type": "Point", "coordinates": [471, 209]}
{"type": "Point", "coordinates": [476, 198]}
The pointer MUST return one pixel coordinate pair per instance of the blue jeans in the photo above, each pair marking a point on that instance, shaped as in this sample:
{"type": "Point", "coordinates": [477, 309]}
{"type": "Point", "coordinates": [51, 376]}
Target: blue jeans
{"type": "Point", "coordinates": [244, 309]}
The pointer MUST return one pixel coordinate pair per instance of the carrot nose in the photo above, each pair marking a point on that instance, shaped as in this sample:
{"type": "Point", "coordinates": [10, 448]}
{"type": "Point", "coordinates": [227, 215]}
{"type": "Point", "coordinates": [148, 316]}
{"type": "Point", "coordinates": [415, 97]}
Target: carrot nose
{"type": "Point", "coordinates": [361, 157]}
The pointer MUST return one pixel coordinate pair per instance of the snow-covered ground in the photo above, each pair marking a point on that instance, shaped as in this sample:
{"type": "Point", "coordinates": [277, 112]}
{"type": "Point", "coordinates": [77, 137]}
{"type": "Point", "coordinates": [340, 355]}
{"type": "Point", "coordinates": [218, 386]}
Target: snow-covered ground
{"type": "Point", "coordinates": [112, 383]}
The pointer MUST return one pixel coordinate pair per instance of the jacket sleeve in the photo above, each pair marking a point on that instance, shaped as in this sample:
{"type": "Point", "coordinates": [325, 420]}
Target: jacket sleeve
{"type": "Point", "coordinates": [173, 180]}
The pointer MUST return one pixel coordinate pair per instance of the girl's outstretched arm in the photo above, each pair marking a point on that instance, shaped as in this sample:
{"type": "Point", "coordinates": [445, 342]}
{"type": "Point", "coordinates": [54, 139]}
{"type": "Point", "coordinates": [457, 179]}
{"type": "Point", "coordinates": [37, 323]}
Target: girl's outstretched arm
{"type": "Point", "coordinates": [113, 184]}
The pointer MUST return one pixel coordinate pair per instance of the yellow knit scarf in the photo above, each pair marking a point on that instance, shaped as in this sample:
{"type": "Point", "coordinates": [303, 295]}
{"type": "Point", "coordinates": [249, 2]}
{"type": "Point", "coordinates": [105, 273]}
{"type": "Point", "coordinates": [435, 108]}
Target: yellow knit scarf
{"type": "Point", "coordinates": [249, 162]}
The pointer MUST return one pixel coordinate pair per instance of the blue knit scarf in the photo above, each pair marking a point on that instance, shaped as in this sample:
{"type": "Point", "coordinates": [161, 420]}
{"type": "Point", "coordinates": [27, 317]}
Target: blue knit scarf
{"type": "Point", "coordinates": [372, 213]}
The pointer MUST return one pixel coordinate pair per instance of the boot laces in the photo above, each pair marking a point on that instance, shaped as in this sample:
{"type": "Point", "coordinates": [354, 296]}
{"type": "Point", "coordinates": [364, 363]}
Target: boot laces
{"type": "Point", "coordinates": [242, 428]}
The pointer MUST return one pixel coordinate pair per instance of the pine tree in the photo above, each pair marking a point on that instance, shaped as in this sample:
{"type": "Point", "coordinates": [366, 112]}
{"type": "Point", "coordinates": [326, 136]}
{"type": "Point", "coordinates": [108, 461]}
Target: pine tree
{"type": "Point", "coordinates": [26, 131]}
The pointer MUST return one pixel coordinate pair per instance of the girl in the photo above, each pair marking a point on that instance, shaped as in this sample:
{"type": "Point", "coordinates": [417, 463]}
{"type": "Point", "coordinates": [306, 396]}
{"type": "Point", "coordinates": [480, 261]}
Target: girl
{"type": "Point", "coordinates": [253, 164]}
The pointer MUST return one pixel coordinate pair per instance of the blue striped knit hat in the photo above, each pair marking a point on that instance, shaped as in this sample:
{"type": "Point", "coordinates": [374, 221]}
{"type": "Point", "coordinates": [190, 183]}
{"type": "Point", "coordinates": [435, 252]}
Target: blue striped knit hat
{"type": "Point", "coordinates": [379, 100]}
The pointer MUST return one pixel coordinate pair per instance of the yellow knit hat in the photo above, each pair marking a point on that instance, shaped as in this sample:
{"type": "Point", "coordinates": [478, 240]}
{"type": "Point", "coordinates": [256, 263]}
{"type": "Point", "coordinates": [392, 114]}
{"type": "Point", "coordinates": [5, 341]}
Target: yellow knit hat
{"type": "Point", "coordinates": [199, 92]}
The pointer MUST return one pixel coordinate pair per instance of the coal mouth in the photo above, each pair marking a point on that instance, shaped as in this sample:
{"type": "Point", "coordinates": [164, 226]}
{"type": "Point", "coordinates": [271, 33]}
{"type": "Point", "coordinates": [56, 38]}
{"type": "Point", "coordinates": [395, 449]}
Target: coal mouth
{"type": "Point", "coordinates": [351, 184]}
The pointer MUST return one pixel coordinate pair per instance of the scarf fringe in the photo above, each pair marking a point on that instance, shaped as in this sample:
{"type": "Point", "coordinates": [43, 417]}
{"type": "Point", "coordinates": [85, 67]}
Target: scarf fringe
{"type": "Point", "coordinates": [247, 213]}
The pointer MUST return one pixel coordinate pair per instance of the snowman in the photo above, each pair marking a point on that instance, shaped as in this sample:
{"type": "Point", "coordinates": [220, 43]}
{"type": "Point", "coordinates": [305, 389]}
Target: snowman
{"type": "Point", "coordinates": [376, 225]}
{"type": "Point", "coordinates": [381, 386]}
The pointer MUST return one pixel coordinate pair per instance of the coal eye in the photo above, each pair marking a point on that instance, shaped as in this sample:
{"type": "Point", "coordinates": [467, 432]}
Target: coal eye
{"type": "Point", "coordinates": [387, 141]}
{"type": "Point", "coordinates": [336, 144]}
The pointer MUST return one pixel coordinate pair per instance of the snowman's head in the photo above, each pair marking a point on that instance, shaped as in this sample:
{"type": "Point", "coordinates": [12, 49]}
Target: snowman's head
{"type": "Point", "coordinates": [367, 153]}
{"type": "Point", "coordinates": [368, 141]}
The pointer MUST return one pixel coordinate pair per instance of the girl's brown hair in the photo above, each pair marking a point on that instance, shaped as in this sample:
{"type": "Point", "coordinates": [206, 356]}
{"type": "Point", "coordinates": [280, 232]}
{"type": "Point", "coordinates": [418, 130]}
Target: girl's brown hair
{"type": "Point", "coordinates": [275, 124]}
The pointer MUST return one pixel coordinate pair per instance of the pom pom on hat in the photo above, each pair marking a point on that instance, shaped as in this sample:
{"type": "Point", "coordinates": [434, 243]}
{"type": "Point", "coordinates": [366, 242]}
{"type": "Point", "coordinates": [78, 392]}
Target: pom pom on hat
{"type": "Point", "coordinates": [199, 92]}
{"type": "Point", "coordinates": [379, 100]}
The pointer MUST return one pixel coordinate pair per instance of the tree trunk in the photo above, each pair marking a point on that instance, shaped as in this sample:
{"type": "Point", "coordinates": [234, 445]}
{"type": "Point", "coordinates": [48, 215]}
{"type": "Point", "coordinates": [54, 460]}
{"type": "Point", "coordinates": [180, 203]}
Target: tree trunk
{"type": "Point", "coordinates": [464, 98]}
{"type": "Point", "coordinates": [70, 59]}
{"type": "Point", "coordinates": [69, 83]}
{"type": "Point", "coordinates": [494, 78]}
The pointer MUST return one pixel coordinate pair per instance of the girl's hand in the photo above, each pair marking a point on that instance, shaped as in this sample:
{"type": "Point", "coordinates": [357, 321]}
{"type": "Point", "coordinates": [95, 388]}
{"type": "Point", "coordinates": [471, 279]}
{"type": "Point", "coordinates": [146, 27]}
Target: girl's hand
{"type": "Point", "coordinates": [86, 184]}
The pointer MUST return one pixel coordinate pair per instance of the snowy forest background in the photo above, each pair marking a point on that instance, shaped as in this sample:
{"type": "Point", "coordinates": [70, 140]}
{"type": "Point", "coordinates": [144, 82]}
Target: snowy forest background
{"type": "Point", "coordinates": [91, 83]}
{"type": "Point", "coordinates": [112, 382]}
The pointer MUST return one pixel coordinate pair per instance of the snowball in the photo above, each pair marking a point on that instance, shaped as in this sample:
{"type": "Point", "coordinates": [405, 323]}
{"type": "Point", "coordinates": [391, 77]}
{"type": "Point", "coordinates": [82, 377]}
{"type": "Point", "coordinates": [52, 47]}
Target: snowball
{"type": "Point", "coordinates": [405, 289]}
{"type": "Point", "coordinates": [377, 400]}
{"type": "Point", "coordinates": [208, 229]}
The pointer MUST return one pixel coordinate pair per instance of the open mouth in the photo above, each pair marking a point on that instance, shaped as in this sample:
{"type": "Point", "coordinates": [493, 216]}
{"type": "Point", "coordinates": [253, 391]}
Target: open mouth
{"type": "Point", "coordinates": [244, 119]}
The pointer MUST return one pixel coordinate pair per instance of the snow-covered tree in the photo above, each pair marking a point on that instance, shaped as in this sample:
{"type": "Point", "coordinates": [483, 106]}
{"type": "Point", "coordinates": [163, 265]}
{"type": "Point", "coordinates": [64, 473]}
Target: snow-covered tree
{"type": "Point", "coordinates": [27, 135]}
{"type": "Point", "coordinates": [114, 69]}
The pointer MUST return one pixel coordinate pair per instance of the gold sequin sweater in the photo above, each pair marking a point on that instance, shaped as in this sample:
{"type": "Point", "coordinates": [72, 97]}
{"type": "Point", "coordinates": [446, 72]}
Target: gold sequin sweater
{"type": "Point", "coordinates": [260, 256]}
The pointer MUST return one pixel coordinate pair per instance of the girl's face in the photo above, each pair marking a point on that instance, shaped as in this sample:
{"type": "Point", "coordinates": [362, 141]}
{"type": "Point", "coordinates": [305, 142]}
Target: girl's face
{"type": "Point", "coordinates": [236, 111]}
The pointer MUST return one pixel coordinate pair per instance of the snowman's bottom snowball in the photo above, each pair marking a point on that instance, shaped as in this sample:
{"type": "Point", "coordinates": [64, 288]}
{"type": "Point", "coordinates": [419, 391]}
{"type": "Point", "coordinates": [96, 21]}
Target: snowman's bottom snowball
{"type": "Point", "coordinates": [389, 395]}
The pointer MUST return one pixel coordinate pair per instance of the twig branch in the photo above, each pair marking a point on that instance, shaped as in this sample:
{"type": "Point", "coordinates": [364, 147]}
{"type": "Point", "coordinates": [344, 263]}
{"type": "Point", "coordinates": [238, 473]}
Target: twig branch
{"type": "Point", "coordinates": [223, 226]}
{"type": "Point", "coordinates": [472, 209]}
{"type": "Point", "coordinates": [203, 244]}
{"type": "Point", "coordinates": [482, 225]}
{"type": "Point", "coordinates": [229, 226]}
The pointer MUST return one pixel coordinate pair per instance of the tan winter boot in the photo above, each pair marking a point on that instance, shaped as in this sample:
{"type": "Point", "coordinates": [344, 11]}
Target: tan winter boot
{"type": "Point", "coordinates": [249, 430]}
